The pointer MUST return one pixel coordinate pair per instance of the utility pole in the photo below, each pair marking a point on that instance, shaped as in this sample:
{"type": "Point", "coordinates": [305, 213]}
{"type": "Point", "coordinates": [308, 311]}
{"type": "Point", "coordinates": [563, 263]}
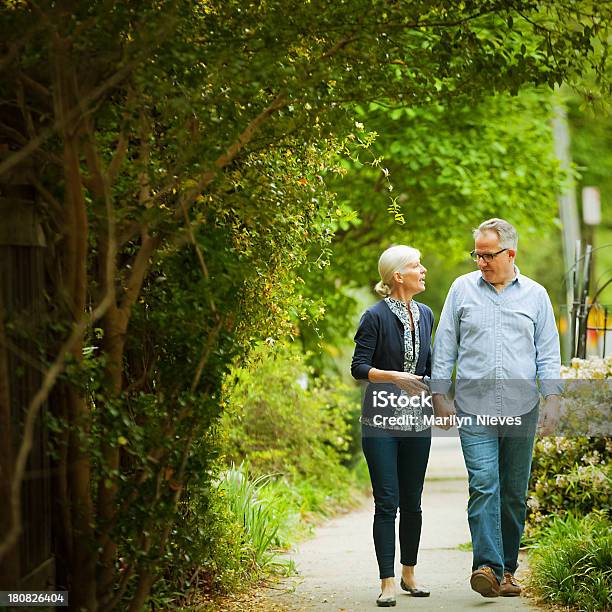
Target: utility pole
{"type": "Point", "coordinates": [568, 212]}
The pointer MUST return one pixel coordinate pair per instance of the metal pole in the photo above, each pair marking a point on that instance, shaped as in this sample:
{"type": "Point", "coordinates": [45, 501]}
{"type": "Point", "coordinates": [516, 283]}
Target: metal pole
{"type": "Point", "coordinates": [575, 293]}
{"type": "Point", "coordinates": [605, 330]}
{"type": "Point", "coordinates": [584, 310]}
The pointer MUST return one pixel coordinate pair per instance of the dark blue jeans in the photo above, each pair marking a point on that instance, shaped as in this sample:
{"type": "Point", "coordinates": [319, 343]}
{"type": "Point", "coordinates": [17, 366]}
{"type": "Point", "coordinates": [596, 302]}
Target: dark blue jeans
{"type": "Point", "coordinates": [498, 461]}
{"type": "Point", "coordinates": [397, 465]}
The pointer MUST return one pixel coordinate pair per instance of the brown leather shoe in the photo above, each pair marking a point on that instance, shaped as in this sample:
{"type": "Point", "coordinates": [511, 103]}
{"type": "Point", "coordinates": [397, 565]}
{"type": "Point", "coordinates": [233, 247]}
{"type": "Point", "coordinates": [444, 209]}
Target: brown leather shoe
{"type": "Point", "coordinates": [509, 587]}
{"type": "Point", "coordinates": [484, 581]}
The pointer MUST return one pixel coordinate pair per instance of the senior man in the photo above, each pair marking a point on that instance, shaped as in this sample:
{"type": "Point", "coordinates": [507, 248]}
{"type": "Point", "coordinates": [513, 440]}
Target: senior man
{"type": "Point", "coordinates": [498, 327]}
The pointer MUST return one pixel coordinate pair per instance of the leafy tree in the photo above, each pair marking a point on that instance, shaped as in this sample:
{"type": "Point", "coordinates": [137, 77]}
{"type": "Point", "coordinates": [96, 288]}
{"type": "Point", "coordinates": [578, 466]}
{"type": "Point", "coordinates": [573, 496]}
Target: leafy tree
{"type": "Point", "coordinates": [591, 140]}
{"type": "Point", "coordinates": [442, 169]}
{"type": "Point", "coordinates": [180, 152]}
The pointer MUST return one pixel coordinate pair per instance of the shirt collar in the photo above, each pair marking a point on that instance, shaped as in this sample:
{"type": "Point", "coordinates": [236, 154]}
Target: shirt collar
{"type": "Point", "coordinates": [399, 309]}
{"type": "Point", "coordinates": [517, 277]}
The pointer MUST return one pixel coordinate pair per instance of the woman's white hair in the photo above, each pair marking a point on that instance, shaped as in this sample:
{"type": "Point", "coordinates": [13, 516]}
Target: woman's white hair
{"type": "Point", "coordinates": [393, 260]}
{"type": "Point", "coordinates": [508, 238]}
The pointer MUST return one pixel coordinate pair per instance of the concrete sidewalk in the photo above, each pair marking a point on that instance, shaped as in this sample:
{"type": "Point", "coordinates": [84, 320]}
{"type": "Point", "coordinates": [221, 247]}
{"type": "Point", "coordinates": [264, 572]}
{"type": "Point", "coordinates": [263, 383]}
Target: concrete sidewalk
{"type": "Point", "coordinates": [338, 571]}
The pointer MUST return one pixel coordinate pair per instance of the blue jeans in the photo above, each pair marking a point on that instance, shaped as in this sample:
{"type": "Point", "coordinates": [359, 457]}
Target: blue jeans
{"type": "Point", "coordinates": [498, 461]}
{"type": "Point", "coordinates": [397, 467]}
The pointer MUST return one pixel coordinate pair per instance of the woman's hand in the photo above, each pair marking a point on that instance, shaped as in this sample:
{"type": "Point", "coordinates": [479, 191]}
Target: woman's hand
{"type": "Point", "coordinates": [411, 383]}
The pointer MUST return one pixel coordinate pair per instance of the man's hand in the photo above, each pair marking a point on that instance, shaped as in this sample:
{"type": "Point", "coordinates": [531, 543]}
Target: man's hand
{"type": "Point", "coordinates": [549, 414]}
{"type": "Point", "coordinates": [445, 408]}
{"type": "Point", "coordinates": [410, 383]}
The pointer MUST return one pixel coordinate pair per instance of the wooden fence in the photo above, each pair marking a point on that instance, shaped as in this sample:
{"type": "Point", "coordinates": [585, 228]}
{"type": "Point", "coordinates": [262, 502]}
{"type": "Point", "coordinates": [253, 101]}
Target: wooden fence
{"type": "Point", "coordinates": [30, 565]}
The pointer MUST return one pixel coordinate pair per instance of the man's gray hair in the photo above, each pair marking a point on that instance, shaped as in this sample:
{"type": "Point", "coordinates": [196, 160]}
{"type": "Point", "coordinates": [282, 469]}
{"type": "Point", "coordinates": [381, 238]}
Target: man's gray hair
{"type": "Point", "coordinates": [508, 238]}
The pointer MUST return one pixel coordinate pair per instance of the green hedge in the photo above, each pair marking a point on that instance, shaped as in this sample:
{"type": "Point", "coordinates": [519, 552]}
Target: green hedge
{"type": "Point", "coordinates": [568, 475]}
{"type": "Point", "coordinates": [573, 473]}
{"type": "Point", "coordinates": [568, 520]}
{"type": "Point", "coordinates": [281, 420]}
{"type": "Point", "coordinates": [572, 562]}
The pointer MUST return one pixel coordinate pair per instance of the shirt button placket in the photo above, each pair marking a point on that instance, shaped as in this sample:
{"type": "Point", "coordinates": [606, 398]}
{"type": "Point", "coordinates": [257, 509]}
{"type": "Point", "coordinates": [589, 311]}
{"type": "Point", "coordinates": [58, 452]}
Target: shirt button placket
{"type": "Point", "coordinates": [498, 357]}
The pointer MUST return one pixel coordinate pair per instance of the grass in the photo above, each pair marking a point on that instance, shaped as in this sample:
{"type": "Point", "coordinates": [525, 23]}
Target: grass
{"type": "Point", "coordinates": [261, 520]}
{"type": "Point", "coordinates": [275, 511]}
{"type": "Point", "coordinates": [571, 564]}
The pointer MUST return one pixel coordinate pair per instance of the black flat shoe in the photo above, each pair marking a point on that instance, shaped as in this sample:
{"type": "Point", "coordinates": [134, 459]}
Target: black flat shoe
{"type": "Point", "coordinates": [416, 592]}
{"type": "Point", "coordinates": [385, 602]}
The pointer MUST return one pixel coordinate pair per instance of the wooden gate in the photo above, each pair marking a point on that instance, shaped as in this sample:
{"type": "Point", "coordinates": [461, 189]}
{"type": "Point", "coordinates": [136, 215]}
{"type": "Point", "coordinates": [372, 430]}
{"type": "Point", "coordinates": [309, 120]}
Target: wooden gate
{"type": "Point", "coordinates": [30, 564]}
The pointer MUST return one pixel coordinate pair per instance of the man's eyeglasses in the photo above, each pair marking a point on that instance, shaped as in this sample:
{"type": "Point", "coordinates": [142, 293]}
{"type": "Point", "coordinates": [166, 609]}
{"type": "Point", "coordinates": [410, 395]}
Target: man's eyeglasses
{"type": "Point", "coordinates": [488, 257]}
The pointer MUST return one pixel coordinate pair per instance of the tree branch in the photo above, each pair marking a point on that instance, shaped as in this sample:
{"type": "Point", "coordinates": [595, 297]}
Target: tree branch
{"type": "Point", "coordinates": [212, 336]}
{"type": "Point", "coordinates": [9, 58]}
{"type": "Point", "coordinates": [147, 577]}
{"type": "Point", "coordinates": [232, 151]}
{"type": "Point", "coordinates": [118, 158]}
{"type": "Point", "coordinates": [34, 85]}
{"type": "Point", "coordinates": [139, 270]}
{"type": "Point", "coordinates": [47, 196]}
{"type": "Point", "coordinates": [339, 45]}
{"type": "Point", "coordinates": [72, 117]}
{"type": "Point", "coordinates": [198, 252]}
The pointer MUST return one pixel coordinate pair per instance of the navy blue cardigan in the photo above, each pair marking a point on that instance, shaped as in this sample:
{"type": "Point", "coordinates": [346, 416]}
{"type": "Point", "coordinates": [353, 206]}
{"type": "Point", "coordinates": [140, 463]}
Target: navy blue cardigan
{"type": "Point", "coordinates": [379, 341]}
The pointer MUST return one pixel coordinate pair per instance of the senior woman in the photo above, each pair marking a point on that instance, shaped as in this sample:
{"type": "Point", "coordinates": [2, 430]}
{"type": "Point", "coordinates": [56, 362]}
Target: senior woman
{"type": "Point", "coordinates": [393, 353]}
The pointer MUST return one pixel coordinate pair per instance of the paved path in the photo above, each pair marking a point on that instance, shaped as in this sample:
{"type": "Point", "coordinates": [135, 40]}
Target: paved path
{"type": "Point", "coordinates": [338, 568]}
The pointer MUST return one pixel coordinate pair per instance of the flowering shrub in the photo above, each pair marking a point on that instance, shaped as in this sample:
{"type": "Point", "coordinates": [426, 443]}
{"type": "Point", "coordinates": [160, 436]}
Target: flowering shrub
{"type": "Point", "coordinates": [593, 368]}
{"type": "Point", "coordinates": [574, 473]}
{"type": "Point", "coordinates": [587, 399]}
{"type": "Point", "coordinates": [568, 474]}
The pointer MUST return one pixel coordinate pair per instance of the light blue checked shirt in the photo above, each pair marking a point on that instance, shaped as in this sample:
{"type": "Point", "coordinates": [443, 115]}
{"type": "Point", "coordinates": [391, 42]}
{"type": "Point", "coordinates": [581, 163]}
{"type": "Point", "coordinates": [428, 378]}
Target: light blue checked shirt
{"type": "Point", "coordinates": [502, 344]}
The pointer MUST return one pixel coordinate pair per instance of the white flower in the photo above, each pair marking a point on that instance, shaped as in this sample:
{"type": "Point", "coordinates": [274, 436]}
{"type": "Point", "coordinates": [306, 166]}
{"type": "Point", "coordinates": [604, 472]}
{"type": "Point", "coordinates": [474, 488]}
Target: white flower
{"type": "Point", "coordinates": [532, 502]}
